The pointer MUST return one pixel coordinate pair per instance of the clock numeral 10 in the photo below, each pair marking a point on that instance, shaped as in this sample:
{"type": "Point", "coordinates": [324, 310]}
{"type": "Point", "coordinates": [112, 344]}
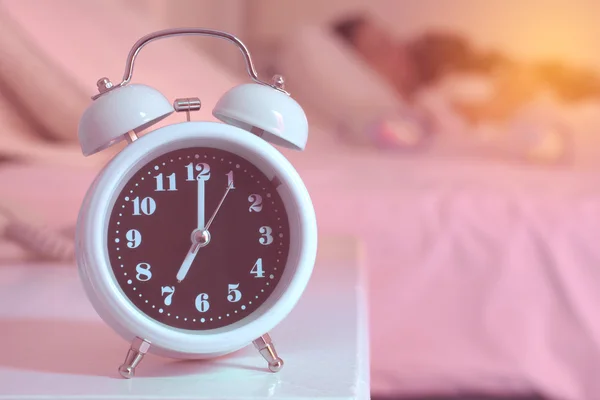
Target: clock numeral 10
{"type": "Point", "coordinates": [147, 205]}
{"type": "Point", "coordinates": [233, 294]}
{"type": "Point", "coordinates": [257, 269]}
{"type": "Point", "coordinates": [160, 183]}
{"type": "Point", "coordinates": [202, 303]}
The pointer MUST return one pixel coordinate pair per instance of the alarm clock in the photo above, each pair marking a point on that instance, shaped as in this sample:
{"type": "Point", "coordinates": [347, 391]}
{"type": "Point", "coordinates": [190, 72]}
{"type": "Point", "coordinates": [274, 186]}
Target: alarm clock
{"type": "Point", "coordinates": [199, 237]}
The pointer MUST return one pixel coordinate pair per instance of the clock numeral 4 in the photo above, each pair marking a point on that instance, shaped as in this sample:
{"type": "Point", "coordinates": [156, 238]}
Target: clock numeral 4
{"type": "Point", "coordinates": [202, 303]}
{"type": "Point", "coordinates": [257, 269]}
{"type": "Point", "coordinates": [266, 235]}
{"type": "Point", "coordinates": [168, 290]}
{"type": "Point", "coordinates": [143, 272]}
{"type": "Point", "coordinates": [256, 200]}
{"type": "Point", "coordinates": [230, 179]}
{"type": "Point", "coordinates": [147, 205]}
{"type": "Point", "coordinates": [203, 171]}
{"type": "Point", "coordinates": [134, 238]}
{"type": "Point", "coordinates": [234, 295]}
{"type": "Point", "coordinates": [160, 187]}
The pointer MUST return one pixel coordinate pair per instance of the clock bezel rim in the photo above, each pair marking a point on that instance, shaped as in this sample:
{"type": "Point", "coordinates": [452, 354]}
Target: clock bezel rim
{"type": "Point", "coordinates": [118, 311]}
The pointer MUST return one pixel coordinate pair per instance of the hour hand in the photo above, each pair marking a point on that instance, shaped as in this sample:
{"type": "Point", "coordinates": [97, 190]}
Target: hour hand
{"type": "Point", "coordinates": [200, 238]}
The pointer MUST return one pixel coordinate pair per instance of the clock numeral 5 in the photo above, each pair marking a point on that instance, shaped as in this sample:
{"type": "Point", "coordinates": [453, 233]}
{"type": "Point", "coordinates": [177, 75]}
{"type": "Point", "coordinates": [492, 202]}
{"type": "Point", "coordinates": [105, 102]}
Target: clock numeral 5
{"type": "Point", "coordinates": [202, 303]}
{"type": "Point", "coordinates": [257, 269]}
{"type": "Point", "coordinates": [147, 205]}
{"type": "Point", "coordinates": [266, 235]}
{"type": "Point", "coordinates": [256, 200]}
{"type": "Point", "coordinates": [134, 238]}
{"type": "Point", "coordinates": [160, 183]}
{"type": "Point", "coordinates": [234, 295]}
{"type": "Point", "coordinates": [168, 290]}
{"type": "Point", "coordinates": [143, 272]}
{"type": "Point", "coordinates": [202, 168]}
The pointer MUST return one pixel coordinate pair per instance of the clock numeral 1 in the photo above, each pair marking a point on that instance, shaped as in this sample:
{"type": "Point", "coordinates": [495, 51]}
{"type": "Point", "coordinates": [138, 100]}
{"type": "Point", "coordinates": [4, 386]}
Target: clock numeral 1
{"type": "Point", "coordinates": [134, 238]}
{"type": "Point", "coordinates": [230, 179]}
{"type": "Point", "coordinates": [147, 206]}
{"type": "Point", "coordinates": [168, 290]}
{"type": "Point", "coordinates": [143, 272]}
{"type": "Point", "coordinates": [233, 294]}
{"type": "Point", "coordinates": [256, 200]}
{"type": "Point", "coordinates": [266, 235]}
{"type": "Point", "coordinates": [202, 168]}
{"type": "Point", "coordinates": [202, 303]}
{"type": "Point", "coordinates": [257, 269]}
{"type": "Point", "coordinates": [160, 184]}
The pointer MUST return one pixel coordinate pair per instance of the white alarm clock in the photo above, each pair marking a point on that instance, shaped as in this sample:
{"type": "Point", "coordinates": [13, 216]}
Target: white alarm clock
{"type": "Point", "coordinates": [197, 238]}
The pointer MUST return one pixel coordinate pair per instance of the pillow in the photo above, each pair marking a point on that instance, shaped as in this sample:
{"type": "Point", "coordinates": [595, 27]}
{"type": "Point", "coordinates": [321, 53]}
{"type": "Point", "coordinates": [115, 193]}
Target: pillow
{"type": "Point", "coordinates": [88, 40]}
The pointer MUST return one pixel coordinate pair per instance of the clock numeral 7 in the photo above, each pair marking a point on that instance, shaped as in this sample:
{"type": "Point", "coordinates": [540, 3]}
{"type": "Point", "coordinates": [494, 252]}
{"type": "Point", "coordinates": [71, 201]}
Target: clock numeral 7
{"type": "Point", "coordinates": [202, 168]}
{"type": "Point", "coordinates": [168, 290]}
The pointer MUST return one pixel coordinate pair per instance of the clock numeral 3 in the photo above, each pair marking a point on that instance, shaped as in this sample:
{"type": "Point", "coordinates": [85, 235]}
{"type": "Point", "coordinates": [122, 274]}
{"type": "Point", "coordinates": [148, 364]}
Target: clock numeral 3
{"type": "Point", "coordinates": [134, 238]}
{"type": "Point", "coordinates": [256, 200]}
{"type": "Point", "coordinates": [147, 206]}
{"type": "Point", "coordinates": [168, 290]}
{"type": "Point", "coordinates": [143, 272]}
{"type": "Point", "coordinates": [257, 269]}
{"type": "Point", "coordinates": [202, 168]}
{"type": "Point", "coordinates": [267, 237]}
{"type": "Point", "coordinates": [160, 183]}
{"type": "Point", "coordinates": [202, 303]}
{"type": "Point", "coordinates": [234, 295]}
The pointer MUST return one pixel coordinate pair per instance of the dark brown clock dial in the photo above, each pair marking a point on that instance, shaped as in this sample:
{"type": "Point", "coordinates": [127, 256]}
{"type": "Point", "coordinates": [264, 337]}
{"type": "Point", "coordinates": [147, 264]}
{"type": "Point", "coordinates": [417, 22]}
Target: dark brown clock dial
{"type": "Point", "coordinates": [150, 238]}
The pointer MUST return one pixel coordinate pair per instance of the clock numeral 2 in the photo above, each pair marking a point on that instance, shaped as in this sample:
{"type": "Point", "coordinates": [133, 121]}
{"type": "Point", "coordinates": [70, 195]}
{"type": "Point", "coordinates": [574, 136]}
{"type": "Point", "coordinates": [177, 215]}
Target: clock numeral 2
{"type": "Point", "coordinates": [202, 303]}
{"type": "Point", "coordinates": [143, 272]}
{"type": "Point", "coordinates": [147, 206]}
{"type": "Point", "coordinates": [168, 290]}
{"type": "Point", "coordinates": [266, 235]}
{"type": "Point", "coordinates": [257, 269]}
{"type": "Point", "coordinates": [233, 294]}
{"type": "Point", "coordinates": [160, 183]}
{"type": "Point", "coordinates": [256, 200]}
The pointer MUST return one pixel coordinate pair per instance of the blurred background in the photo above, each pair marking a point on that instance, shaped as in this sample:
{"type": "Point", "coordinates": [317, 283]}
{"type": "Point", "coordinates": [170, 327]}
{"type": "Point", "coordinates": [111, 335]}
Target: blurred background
{"type": "Point", "coordinates": [456, 139]}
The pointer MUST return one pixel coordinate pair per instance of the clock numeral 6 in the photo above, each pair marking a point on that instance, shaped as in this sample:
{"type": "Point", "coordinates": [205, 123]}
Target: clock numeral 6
{"type": "Point", "coordinates": [266, 235]}
{"type": "Point", "coordinates": [234, 295]}
{"type": "Point", "coordinates": [143, 272]}
{"type": "Point", "coordinates": [256, 200]}
{"type": "Point", "coordinates": [202, 168]}
{"type": "Point", "coordinates": [202, 303]}
{"type": "Point", "coordinates": [257, 269]}
{"type": "Point", "coordinates": [168, 290]}
{"type": "Point", "coordinates": [147, 205]}
{"type": "Point", "coordinates": [134, 238]}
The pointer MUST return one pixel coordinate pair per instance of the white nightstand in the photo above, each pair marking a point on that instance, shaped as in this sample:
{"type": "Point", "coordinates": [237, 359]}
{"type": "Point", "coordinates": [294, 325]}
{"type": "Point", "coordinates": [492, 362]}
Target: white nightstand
{"type": "Point", "coordinates": [53, 345]}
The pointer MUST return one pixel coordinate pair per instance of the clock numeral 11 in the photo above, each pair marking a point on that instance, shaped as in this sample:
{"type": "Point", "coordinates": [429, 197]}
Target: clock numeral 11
{"type": "Point", "coordinates": [160, 183]}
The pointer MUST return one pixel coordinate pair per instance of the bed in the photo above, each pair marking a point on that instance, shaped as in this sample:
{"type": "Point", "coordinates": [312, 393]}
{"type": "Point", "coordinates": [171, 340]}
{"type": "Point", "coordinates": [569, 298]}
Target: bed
{"type": "Point", "coordinates": [482, 274]}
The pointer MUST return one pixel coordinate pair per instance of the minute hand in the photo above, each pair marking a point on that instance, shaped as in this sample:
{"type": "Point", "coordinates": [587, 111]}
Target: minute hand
{"type": "Point", "coordinates": [229, 187]}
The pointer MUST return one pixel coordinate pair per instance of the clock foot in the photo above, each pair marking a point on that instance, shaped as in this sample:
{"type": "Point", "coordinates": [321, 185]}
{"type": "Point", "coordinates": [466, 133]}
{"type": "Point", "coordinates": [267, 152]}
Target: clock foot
{"type": "Point", "coordinates": [267, 349]}
{"type": "Point", "coordinates": [139, 348]}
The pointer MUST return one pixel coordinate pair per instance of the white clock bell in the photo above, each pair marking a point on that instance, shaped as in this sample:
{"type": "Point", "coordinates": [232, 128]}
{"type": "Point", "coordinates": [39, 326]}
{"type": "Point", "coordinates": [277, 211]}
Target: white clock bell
{"type": "Point", "coordinates": [198, 237]}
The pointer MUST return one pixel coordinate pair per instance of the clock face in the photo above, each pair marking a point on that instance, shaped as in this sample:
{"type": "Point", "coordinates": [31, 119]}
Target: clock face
{"type": "Point", "coordinates": [198, 238]}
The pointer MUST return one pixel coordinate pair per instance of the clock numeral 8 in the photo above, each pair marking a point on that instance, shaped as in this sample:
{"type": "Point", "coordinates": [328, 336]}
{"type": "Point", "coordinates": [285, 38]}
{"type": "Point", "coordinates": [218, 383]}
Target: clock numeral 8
{"type": "Point", "coordinates": [202, 303]}
{"type": "Point", "coordinates": [143, 272]}
{"type": "Point", "coordinates": [267, 237]}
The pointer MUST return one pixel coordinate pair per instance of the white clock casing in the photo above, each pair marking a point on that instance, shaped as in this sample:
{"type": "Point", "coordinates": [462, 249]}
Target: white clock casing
{"type": "Point", "coordinates": [92, 252]}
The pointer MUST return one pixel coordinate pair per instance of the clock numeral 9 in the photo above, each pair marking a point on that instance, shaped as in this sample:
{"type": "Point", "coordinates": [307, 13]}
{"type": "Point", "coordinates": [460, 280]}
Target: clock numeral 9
{"type": "Point", "coordinates": [160, 184]}
{"type": "Point", "coordinates": [134, 238]}
{"type": "Point", "coordinates": [147, 206]}
{"type": "Point", "coordinates": [267, 237]}
{"type": "Point", "coordinates": [256, 200]}
{"type": "Point", "coordinates": [202, 303]}
{"type": "Point", "coordinates": [257, 269]}
{"type": "Point", "coordinates": [234, 295]}
{"type": "Point", "coordinates": [168, 290]}
{"type": "Point", "coordinates": [202, 168]}
{"type": "Point", "coordinates": [143, 272]}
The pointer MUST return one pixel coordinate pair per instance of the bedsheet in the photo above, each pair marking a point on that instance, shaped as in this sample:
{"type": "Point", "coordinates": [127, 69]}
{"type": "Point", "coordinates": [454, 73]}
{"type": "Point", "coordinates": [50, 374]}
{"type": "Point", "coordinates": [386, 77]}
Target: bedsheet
{"type": "Point", "coordinates": [482, 275]}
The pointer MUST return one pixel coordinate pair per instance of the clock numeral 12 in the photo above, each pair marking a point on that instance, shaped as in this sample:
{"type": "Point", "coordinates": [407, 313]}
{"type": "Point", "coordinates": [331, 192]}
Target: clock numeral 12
{"type": "Point", "coordinates": [257, 269]}
{"type": "Point", "coordinates": [160, 184]}
{"type": "Point", "coordinates": [202, 168]}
